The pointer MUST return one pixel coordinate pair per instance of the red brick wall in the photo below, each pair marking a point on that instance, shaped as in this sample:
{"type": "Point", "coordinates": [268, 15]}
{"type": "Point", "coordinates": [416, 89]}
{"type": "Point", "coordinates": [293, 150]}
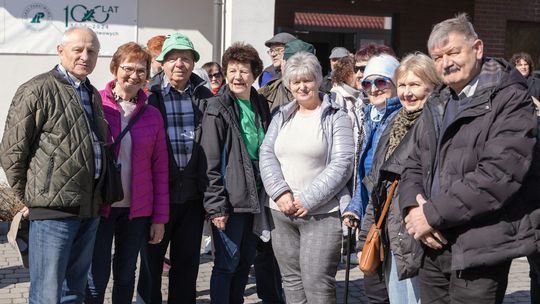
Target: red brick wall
{"type": "Point", "coordinates": [490, 17]}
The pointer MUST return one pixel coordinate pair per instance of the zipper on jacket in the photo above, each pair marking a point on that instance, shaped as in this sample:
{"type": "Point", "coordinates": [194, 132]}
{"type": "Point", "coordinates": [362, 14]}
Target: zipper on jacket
{"type": "Point", "coordinates": [93, 207]}
{"type": "Point", "coordinates": [48, 177]}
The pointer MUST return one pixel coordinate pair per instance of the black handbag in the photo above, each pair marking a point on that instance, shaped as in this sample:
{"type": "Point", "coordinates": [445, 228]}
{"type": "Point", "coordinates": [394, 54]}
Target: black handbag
{"type": "Point", "coordinates": [112, 190]}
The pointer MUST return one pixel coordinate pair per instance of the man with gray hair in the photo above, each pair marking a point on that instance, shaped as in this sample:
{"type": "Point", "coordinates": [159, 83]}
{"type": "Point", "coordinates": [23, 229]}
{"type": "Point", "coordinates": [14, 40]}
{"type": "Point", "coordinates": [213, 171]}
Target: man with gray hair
{"type": "Point", "coordinates": [276, 47]}
{"type": "Point", "coordinates": [52, 155]}
{"type": "Point", "coordinates": [468, 189]}
{"type": "Point", "coordinates": [336, 54]}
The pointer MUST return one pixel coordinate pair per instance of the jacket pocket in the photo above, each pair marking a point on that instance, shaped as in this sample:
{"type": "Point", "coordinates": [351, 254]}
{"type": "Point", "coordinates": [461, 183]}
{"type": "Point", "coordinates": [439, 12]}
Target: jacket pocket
{"type": "Point", "coordinates": [48, 177]}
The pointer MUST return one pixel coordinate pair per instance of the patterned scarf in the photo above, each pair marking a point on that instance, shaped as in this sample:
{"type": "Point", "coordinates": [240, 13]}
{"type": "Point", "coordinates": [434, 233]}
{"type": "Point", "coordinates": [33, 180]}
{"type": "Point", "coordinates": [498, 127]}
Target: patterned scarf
{"type": "Point", "coordinates": [402, 124]}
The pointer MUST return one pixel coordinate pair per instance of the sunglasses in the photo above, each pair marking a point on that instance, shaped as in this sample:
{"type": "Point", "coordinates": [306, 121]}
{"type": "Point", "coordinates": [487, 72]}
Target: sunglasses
{"type": "Point", "coordinates": [360, 68]}
{"type": "Point", "coordinates": [381, 83]}
{"type": "Point", "coordinates": [217, 75]}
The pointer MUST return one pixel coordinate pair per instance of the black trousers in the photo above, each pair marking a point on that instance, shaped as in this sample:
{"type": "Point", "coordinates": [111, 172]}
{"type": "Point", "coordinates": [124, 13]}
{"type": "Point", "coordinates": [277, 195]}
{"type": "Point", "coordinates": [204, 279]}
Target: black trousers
{"type": "Point", "coordinates": [534, 274]}
{"type": "Point", "coordinates": [375, 288]}
{"type": "Point", "coordinates": [184, 233]}
{"type": "Point", "coordinates": [267, 275]}
{"type": "Point", "coordinates": [439, 284]}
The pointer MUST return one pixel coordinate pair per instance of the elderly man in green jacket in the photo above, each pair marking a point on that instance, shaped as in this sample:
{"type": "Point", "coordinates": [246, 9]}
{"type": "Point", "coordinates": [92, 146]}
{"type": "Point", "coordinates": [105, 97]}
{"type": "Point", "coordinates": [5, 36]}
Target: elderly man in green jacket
{"type": "Point", "coordinates": [52, 155]}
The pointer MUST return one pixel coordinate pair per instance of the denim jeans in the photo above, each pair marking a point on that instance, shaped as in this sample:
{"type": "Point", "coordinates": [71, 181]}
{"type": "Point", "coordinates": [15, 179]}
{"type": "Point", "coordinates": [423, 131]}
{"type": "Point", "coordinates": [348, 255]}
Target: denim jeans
{"type": "Point", "coordinates": [129, 235]}
{"type": "Point", "coordinates": [60, 257]}
{"type": "Point", "coordinates": [234, 254]}
{"type": "Point", "coordinates": [406, 291]}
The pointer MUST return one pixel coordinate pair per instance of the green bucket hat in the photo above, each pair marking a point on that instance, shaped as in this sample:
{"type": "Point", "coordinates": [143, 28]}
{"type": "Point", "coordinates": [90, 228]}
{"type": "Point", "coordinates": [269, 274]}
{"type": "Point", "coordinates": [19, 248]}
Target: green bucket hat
{"type": "Point", "coordinates": [295, 46]}
{"type": "Point", "coordinates": [177, 41]}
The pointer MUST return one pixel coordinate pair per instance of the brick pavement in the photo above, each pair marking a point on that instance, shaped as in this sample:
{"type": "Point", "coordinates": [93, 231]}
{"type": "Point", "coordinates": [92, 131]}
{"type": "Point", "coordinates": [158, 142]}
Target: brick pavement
{"type": "Point", "coordinates": [14, 280]}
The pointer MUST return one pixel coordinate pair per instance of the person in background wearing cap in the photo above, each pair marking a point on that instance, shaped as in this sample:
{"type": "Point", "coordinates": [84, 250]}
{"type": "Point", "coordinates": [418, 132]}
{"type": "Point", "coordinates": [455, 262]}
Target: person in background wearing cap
{"type": "Point", "coordinates": [336, 54]}
{"type": "Point", "coordinates": [306, 161]}
{"type": "Point", "coordinates": [276, 47]}
{"type": "Point", "coordinates": [275, 92]}
{"type": "Point", "coordinates": [52, 155]}
{"type": "Point", "coordinates": [180, 97]}
{"type": "Point", "coordinates": [234, 124]}
{"type": "Point", "coordinates": [384, 105]}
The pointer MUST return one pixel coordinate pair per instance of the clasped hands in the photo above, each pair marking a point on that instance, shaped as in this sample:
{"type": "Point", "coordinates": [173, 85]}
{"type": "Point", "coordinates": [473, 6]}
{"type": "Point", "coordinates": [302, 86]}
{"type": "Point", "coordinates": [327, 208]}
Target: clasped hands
{"type": "Point", "coordinates": [418, 227]}
{"type": "Point", "coordinates": [291, 205]}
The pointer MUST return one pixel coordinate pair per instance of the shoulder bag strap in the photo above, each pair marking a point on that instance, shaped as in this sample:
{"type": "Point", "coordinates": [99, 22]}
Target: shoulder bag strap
{"type": "Point", "coordinates": [126, 129]}
{"type": "Point", "coordinates": [387, 203]}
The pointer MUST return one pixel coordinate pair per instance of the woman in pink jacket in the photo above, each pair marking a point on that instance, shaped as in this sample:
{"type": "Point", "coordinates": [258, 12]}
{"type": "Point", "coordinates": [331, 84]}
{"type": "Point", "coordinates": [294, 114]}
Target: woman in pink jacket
{"type": "Point", "coordinates": [142, 153]}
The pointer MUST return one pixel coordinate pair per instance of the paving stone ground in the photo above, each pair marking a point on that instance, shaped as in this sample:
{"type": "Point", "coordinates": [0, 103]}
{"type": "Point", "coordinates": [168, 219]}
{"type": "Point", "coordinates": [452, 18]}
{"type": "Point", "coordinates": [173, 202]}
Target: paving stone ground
{"type": "Point", "coordinates": [14, 280]}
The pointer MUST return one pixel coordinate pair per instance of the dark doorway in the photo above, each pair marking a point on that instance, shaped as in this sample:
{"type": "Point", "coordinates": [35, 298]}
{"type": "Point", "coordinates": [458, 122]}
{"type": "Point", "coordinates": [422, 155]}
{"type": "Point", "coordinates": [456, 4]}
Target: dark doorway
{"type": "Point", "coordinates": [523, 37]}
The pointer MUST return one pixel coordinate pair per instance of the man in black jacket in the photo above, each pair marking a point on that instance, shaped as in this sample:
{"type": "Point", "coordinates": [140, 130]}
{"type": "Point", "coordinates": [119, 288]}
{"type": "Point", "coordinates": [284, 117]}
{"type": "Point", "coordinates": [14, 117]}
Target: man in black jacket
{"type": "Point", "coordinates": [180, 96]}
{"type": "Point", "coordinates": [467, 188]}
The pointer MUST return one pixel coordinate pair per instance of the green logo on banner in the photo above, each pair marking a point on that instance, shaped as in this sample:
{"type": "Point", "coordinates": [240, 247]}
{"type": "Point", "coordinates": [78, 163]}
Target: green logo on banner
{"type": "Point", "coordinates": [81, 14]}
{"type": "Point", "coordinates": [37, 16]}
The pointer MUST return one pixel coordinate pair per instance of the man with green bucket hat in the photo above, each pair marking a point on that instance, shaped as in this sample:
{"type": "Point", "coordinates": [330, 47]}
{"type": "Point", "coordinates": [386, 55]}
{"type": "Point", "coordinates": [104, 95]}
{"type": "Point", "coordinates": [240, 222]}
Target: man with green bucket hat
{"type": "Point", "coordinates": [180, 96]}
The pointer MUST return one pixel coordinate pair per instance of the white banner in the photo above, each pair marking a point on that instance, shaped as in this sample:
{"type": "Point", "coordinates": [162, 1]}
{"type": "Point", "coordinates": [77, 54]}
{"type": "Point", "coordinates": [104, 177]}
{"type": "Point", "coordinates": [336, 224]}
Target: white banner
{"type": "Point", "coordinates": [36, 27]}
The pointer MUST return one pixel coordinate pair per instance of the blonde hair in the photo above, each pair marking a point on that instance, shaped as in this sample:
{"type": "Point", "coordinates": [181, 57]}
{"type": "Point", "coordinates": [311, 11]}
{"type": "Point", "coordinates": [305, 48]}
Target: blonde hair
{"type": "Point", "coordinates": [420, 65]}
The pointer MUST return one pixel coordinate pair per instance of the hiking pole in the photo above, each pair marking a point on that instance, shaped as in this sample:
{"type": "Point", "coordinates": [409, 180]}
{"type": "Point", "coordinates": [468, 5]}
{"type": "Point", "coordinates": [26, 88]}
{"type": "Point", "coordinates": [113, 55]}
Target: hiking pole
{"type": "Point", "coordinates": [347, 265]}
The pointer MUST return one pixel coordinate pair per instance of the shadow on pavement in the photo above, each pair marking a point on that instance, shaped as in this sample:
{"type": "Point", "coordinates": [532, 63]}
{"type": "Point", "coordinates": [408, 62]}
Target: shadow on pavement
{"type": "Point", "coordinates": [13, 275]}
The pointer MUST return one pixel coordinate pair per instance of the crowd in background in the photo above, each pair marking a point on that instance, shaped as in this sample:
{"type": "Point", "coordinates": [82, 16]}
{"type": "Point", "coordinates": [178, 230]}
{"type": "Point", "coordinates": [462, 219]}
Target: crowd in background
{"type": "Point", "coordinates": [439, 152]}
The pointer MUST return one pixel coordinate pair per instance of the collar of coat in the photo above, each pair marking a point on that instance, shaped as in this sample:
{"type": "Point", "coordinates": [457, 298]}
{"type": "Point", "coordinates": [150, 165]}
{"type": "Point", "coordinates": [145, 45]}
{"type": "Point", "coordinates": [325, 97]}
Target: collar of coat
{"type": "Point", "coordinates": [155, 83]}
{"type": "Point", "coordinates": [289, 109]}
{"type": "Point", "coordinates": [495, 74]}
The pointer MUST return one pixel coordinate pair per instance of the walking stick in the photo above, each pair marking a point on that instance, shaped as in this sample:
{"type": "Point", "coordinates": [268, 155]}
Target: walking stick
{"type": "Point", "coordinates": [347, 265]}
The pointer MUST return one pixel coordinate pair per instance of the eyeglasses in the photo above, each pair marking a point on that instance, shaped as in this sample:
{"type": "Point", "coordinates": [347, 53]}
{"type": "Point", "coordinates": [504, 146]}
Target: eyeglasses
{"type": "Point", "coordinates": [130, 70]}
{"type": "Point", "coordinates": [381, 83]}
{"type": "Point", "coordinates": [216, 75]}
{"type": "Point", "coordinates": [360, 68]}
{"type": "Point", "coordinates": [275, 50]}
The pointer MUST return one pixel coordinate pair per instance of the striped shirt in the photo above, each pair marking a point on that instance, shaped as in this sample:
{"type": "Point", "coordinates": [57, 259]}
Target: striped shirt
{"type": "Point", "coordinates": [180, 121]}
{"type": "Point", "coordinates": [84, 93]}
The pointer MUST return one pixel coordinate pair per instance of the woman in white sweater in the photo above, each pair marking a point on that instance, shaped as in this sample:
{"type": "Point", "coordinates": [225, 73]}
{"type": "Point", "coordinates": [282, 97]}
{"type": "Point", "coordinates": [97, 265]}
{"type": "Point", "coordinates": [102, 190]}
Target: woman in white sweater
{"type": "Point", "coordinates": [306, 161]}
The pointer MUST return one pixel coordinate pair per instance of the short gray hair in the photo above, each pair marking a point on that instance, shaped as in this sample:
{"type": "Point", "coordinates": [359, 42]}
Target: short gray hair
{"type": "Point", "coordinates": [459, 24]}
{"type": "Point", "coordinates": [302, 65]}
{"type": "Point", "coordinates": [67, 34]}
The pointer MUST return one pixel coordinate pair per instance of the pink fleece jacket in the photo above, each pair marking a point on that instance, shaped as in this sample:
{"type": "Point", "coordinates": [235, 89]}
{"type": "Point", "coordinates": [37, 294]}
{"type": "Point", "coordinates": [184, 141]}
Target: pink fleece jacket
{"type": "Point", "coordinates": [149, 158]}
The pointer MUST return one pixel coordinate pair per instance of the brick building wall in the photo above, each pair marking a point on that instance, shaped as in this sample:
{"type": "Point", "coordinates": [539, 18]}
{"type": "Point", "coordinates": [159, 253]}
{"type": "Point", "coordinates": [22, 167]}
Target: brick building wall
{"type": "Point", "coordinates": [492, 16]}
{"type": "Point", "coordinates": [413, 19]}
